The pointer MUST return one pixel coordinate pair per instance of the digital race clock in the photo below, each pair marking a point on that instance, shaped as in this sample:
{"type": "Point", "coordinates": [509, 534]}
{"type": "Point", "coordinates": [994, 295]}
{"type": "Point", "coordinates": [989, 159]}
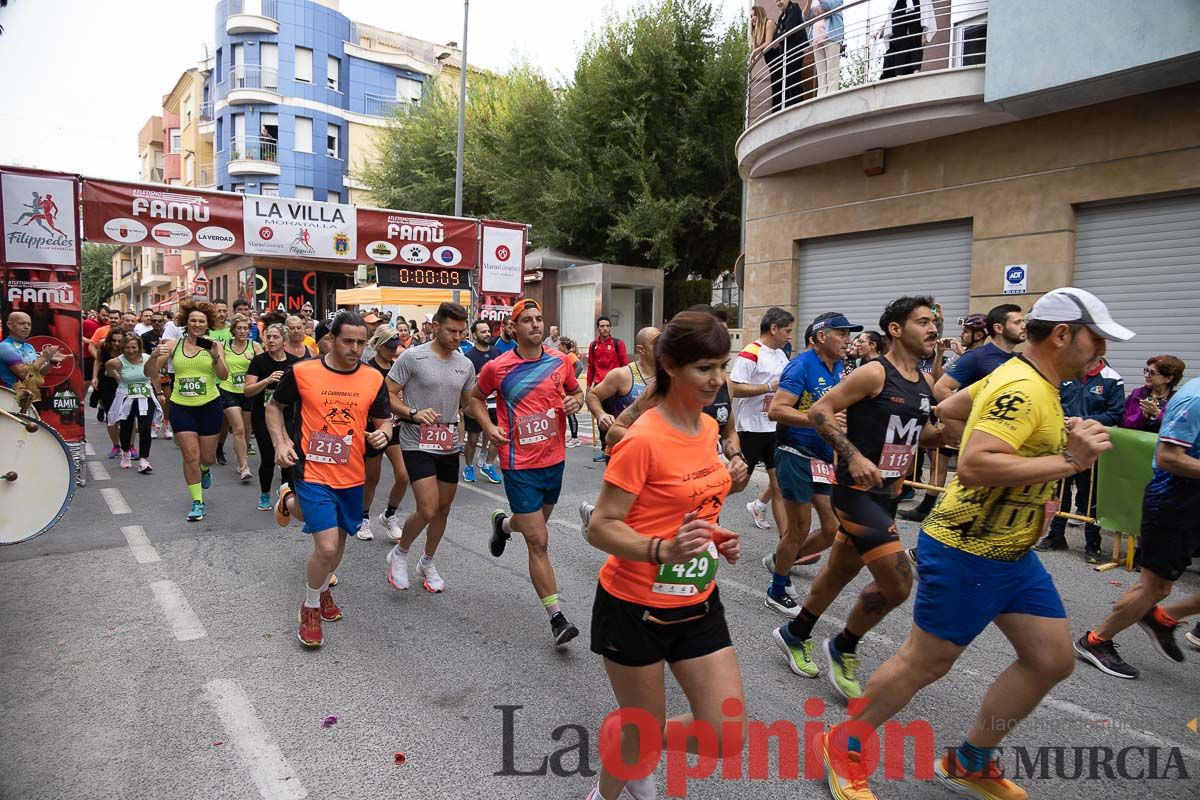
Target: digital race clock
{"type": "Point", "coordinates": [422, 277]}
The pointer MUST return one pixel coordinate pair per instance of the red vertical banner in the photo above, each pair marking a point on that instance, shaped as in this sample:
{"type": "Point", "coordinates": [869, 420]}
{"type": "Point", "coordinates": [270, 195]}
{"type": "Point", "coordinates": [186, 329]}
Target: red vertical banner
{"type": "Point", "coordinates": [52, 297]}
{"type": "Point", "coordinates": [39, 275]}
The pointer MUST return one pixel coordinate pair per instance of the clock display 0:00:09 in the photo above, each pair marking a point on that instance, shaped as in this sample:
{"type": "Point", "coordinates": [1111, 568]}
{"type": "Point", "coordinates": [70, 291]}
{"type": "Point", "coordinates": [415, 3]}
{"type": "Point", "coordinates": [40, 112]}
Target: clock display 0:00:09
{"type": "Point", "coordinates": [449, 278]}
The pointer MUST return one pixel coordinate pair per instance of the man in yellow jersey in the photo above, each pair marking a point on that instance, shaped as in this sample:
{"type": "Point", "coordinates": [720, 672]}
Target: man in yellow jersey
{"type": "Point", "coordinates": [974, 554]}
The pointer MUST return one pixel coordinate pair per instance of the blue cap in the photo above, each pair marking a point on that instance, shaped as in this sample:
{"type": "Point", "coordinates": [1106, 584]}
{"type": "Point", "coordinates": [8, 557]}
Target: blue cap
{"type": "Point", "coordinates": [839, 323]}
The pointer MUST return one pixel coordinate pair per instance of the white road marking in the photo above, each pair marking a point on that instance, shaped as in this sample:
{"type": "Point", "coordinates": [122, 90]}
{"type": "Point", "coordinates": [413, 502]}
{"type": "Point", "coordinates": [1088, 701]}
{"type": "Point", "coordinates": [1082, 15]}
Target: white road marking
{"type": "Point", "coordinates": [88, 450]}
{"type": "Point", "coordinates": [116, 502]}
{"type": "Point", "coordinates": [1094, 717]}
{"type": "Point", "coordinates": [504, 503]}
{"type": "Point", "coordinates": [184, 622]}
{"type": "Point", "coordinates": [139, 543]}
{"type": "Point", "coordinates": [498, 497]}
{"type": "Point", "coordinates": [269, 769]}
{"type": "Point", "coordinates": [1099, 718]}
{"type": "Point", "coordinates": [98, 470]}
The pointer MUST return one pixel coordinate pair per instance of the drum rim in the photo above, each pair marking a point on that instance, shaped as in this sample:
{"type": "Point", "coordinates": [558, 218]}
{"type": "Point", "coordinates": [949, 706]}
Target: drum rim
{"type": "Point", "coordinates": [71, 487]}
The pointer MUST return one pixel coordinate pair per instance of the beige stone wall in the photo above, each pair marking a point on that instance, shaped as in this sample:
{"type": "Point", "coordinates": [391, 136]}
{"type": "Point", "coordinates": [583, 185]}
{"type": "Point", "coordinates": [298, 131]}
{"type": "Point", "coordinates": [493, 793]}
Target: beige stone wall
{"type": "Point", "coordinates": [1019, 183]}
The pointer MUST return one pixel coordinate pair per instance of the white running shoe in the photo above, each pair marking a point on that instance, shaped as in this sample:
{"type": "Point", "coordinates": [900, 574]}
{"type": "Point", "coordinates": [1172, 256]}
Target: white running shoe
{"type": "Point", "coordinates": [585, 517]}
{"type": "Point", "coordinates": [761, 520]}
{"type": "Point", "coordinates": [642, 789]}
{"type": "Point", "coordinates": [170, 434]}
{"type": "Point", "coordinates": [392, 525]}
{"type": "Point", "coordinates": [154, 431]}
{"type": "Point", "coordinates": [126, 460]}
{"type": "Point", "coordinates": [397, 570]}
{"type": "Point", "coordinates": [364, 531]}
{"type": "Point", "coordinates": [433, 581]}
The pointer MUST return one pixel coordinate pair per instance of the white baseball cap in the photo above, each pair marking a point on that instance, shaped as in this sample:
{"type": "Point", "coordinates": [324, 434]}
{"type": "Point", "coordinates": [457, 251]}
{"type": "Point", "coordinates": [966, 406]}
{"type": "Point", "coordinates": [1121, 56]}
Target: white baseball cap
{"type": "Point", "coordinates": [1069, 304]}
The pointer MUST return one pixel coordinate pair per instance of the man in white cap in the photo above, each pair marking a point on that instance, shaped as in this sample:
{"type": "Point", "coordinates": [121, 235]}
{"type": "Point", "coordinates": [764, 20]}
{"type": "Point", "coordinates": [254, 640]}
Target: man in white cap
{"type": "Point", "coordinates": [975, 552]}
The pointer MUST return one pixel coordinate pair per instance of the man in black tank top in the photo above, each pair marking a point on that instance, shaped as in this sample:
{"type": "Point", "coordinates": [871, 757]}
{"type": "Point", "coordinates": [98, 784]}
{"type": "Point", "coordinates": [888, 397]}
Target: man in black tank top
{"type": "Point", "coordinates": [887, 404]}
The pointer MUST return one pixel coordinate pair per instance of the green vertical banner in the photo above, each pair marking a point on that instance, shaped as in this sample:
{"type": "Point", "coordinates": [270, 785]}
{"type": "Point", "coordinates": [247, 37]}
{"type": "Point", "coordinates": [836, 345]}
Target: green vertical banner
{"type": "Point", "coordinates": [1124, 472]}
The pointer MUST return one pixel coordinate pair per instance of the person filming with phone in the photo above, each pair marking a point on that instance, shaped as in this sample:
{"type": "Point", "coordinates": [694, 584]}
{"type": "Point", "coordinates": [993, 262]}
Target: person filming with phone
{"type": "Point", "coordinates": [196, 406]}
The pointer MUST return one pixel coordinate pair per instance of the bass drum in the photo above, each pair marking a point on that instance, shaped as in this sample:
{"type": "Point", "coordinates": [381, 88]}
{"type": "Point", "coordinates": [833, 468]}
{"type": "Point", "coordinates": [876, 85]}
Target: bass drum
{"type": "Point", "coordinates": [8, 402]}
{"type": "Point", "coordinates": [37, 479]}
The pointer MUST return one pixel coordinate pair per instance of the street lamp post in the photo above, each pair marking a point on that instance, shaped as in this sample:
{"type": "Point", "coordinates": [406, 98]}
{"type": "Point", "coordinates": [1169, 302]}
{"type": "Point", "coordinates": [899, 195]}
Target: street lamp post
{"type": "Point", "coordinates": [462, 117]}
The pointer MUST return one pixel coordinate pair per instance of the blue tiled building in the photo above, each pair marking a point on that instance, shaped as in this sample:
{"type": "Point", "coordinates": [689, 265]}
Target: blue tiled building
{"type": "Point", "coordinates": [297, 90]}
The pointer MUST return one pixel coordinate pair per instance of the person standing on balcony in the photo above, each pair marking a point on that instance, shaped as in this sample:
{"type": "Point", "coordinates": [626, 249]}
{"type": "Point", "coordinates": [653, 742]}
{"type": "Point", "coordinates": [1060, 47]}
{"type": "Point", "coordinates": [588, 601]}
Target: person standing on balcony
{"type": "Point", "coordinates": [762, 31]}
{"type": "Point", "coordinates": [785, 56]}
{"type": "Point", "coordinates": [901, 33]}
{"type": "Point", "coordinates": [827, 35]}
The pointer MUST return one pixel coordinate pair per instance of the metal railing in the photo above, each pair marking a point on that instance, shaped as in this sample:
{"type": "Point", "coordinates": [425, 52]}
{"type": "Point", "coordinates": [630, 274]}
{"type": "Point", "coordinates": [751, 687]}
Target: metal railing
{"type": "Point", "coordinates": [252, 76]}
{"type": "Point", "coordinates": [377, 105]}
{"type": "Point", "coordinates": [254, 148]}
{"type": "Point", "coordinates": [206, 111]}
{"type": "Point", "coordinates": [262, 8]}
{"type": "Point", "coordinates": [207, 175]}
{"type": "Point", "coordinates": [813, 60]}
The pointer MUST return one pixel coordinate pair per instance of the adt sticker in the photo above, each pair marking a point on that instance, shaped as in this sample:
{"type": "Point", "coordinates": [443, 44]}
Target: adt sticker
{"type": "Point", "coordinates": [1016, 279]}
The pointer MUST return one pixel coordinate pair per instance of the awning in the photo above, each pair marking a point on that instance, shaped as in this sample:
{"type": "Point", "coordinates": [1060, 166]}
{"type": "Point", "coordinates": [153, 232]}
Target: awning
{"type": "Point", "coordinates": [393, 296]}
{"type": "Point", "coordinates": [175, 299]}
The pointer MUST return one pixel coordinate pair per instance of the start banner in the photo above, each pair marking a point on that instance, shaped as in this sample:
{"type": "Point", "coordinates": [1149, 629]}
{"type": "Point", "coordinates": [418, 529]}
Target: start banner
{"type": "Point", "coordinates": [418, 240]}
{"type": "Point", "coordinates": [162, 216]}
{"type": "Point", "coordinates": [281, 226]}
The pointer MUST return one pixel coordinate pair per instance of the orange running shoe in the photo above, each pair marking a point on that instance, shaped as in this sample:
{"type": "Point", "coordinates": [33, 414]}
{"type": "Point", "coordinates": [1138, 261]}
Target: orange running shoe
{"type": "Point", "coordinates": [845, 773]}
{"type": "Point", "coordinates": [310, 627]}
{"type": "Point", "coordinates": [282, 517]}
{"type": "Point", "coordinates": [329, 610]}
{"type": "Point", "coordinates": [987, 784]}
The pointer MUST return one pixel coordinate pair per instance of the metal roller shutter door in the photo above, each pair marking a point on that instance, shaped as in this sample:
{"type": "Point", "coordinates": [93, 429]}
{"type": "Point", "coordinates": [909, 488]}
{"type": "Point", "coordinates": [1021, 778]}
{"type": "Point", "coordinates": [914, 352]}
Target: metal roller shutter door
{"type": "Point", "coordinates": [1143, 260]}
{"type": "Point", "coordinates": [859, 274]}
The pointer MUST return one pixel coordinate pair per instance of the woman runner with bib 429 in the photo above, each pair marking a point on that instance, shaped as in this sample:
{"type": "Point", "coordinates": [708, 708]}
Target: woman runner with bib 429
{"type": "Point", "coordinates": [657, 600]}
{"type": "Point", "coordinates": [196, 408]}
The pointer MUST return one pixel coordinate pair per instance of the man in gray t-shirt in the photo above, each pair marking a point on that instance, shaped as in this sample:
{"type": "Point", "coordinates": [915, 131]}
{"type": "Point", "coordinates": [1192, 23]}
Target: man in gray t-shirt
{"type": "Point", "coordinates": [432, 382]}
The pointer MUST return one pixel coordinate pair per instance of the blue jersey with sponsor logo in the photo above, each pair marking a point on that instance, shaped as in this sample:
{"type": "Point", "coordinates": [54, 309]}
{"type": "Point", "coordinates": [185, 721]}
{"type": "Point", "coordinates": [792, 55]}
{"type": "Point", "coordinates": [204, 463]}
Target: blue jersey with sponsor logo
{"type": "Point", "coordinates": [1181, 426]}
{"type": "Point", "coordinates": [807, 377]}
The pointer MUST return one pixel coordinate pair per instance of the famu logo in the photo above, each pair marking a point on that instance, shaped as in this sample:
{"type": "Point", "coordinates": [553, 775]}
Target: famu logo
{"type": "Point", "coordinates": [40, 292]}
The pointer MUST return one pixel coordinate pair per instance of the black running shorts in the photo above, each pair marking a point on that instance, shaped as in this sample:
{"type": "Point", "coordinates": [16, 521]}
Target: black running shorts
{"type": "Point", "coordinates": [758, 447]}
{"type": "Point", "coordinates": [625, 632]}
{"type": "Point", "coordinates": [1170, 532]}
{"type": "Point", "coordinates": [421, 465]}
{"type": "Point", "coordinates": [868, 521]}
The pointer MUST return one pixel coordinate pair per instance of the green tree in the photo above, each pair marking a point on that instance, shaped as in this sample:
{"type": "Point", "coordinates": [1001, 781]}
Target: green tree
{"type": "Point", "coordinates": [96, 275]}
{"type": "Point", "coordinates": [632, 161]}
{"type": "Point", "coordinates": [652, 118]}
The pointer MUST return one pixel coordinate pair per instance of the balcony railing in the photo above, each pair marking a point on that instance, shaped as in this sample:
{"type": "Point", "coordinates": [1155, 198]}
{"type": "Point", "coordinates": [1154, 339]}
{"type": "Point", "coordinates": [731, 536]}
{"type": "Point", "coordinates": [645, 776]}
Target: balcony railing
{"type": "Point", "coordinates": [207, 175]}
{"type": "Point", "coordinates": [259, 8]}
{"type": "Point", "coordinates": [376, 105]}
{"type": "Point", "coordinates": [252, 76]}
{"type": "Point", "coordinates": [815, 59]}
{"type": "Point", "coordinates": [206, 111]}
{"type": "Point", "coordinates": [254, 148]}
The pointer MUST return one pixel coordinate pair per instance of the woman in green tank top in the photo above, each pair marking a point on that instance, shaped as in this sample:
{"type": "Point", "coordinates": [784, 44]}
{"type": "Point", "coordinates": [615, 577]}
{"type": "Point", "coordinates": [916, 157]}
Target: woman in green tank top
{"type": "Point", "coordinates": [238, 353]}
{"type": "Point", "coordinates": [196, 409]}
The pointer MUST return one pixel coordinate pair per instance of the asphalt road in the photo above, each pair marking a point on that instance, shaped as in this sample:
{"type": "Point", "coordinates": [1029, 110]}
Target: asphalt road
{"type": "Point", "coordinates": [146, 657]}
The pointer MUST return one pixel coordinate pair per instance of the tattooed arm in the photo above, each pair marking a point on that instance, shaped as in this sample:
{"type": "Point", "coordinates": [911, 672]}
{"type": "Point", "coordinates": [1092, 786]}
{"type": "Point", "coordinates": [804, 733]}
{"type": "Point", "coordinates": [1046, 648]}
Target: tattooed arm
{"type": "Point", "coordinates": [866, 381]}
{"type": "Point", "coordinates": [620, 426]}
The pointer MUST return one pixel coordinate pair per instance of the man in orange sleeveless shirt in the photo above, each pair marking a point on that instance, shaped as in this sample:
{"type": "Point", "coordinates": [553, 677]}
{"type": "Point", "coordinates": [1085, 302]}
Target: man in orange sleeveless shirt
{"type": "Point", "coordinates": [332, 397]}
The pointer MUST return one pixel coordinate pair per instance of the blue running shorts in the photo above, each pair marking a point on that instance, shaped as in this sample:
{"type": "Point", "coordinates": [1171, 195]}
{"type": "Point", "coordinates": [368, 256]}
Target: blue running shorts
{"type": "Point", "coordinates": [960, 593]}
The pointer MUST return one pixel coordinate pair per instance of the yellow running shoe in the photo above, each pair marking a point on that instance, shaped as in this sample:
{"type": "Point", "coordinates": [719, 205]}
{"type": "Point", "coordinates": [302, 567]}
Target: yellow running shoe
{"type": "Point", "coordinates": [845, 773]}
{"type": "Point", "coordinates": [988, 784]}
